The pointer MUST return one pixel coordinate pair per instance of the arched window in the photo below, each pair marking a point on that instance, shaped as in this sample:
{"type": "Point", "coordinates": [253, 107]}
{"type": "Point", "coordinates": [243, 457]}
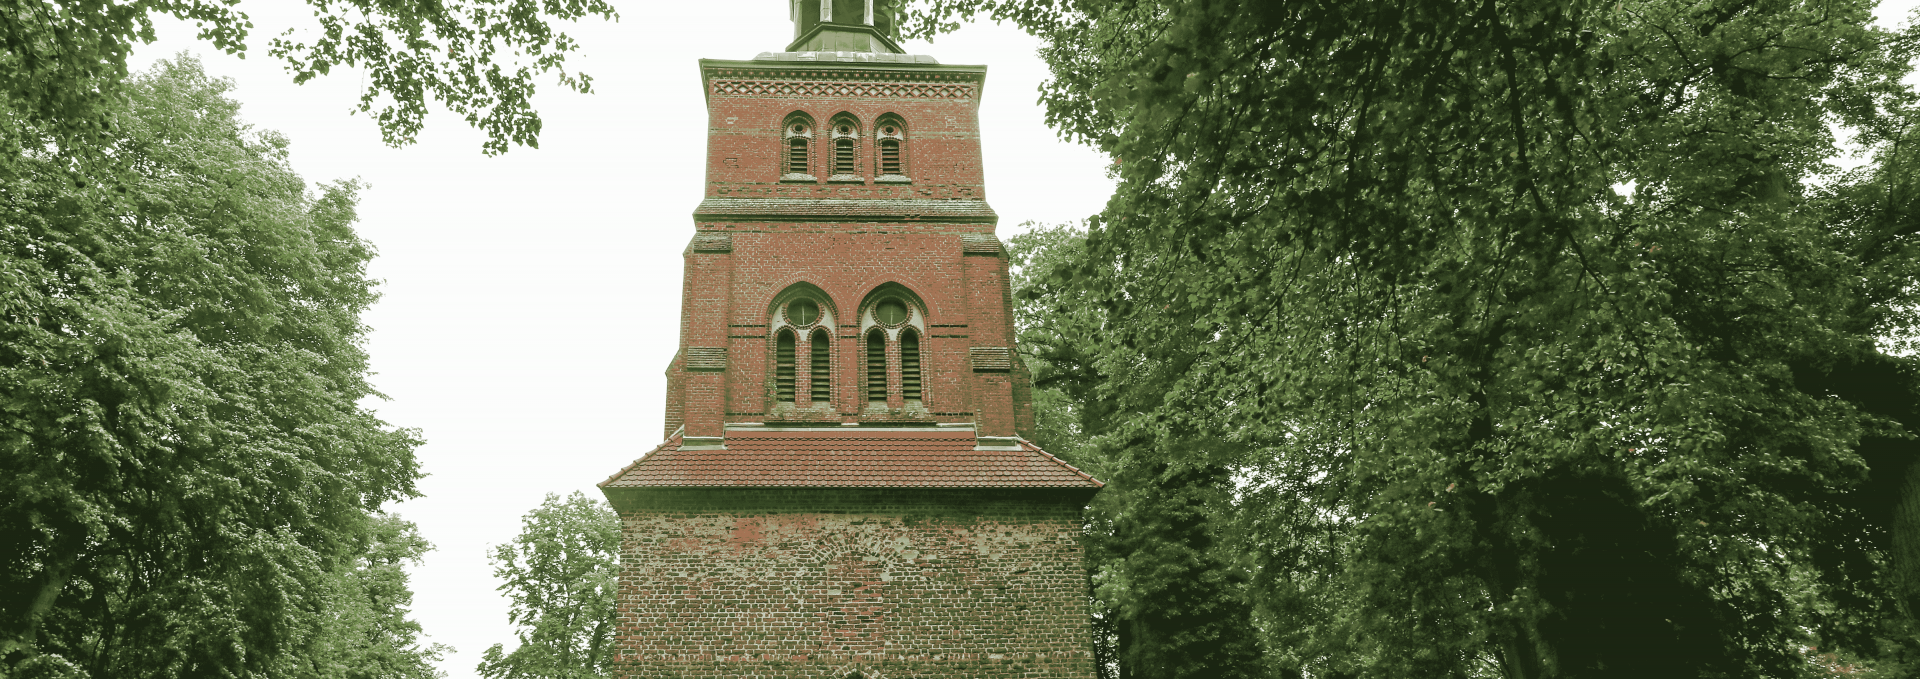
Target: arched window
{"type": "Point", "coordinates": [801, 320]}
{"type": "Point", "coordinates": [893, 322]}
{"type": "Point", "coordinates": [783, 368]}
{"type": "Point", "coordinates": [890, 137]}
{"type": "Point", "coordinates": [796, 163]}
{"type": "Point", "coordinates": [846, 149]}
{"type": "Point", "coordinates": [820, 367]}
{"type": "Point", "coordinates": [877, 366]}
{"type": "Point", "coordinates": [910, 365]}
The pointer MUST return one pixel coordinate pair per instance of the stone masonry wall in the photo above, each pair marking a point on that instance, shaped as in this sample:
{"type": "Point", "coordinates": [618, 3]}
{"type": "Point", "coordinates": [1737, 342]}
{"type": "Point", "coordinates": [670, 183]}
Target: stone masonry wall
{"type": "Point", "coordinates": [830, 583]}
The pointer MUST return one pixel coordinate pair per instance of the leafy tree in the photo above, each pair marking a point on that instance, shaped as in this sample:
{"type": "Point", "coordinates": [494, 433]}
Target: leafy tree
{"type": "Point", "coordinates": [561, 575]}
{"type": "Point", "coordinates": [65, 60]}
{"type": "Point", "coordinates": [1170, 596]}
{"type": "Point", "coordinates": [1546, 338]}
{"type": "Point", "coordinates": [186, 474]}
{"type": "Point", "coordinates": [360, 629]}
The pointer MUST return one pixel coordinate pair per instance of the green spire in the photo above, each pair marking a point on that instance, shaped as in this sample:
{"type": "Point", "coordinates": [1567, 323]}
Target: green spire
{"type": "Point", "coordinates": [846, 26]}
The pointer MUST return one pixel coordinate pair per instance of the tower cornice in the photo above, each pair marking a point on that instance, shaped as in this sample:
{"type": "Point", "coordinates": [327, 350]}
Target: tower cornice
{"type": "Point", "coordinates": [812, 78]}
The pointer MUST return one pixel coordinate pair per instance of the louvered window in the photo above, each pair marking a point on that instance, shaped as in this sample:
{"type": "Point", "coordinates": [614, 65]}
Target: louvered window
{"type": "Point", "coordinates": [877, 366]}
{"type": "Point", "coordinates": [783, 370]}
{"type": "Point", "coordinates": [819, 366]}
{"type": "Point", "coordinates": [843, 158]}
{"type": "Point", "coordinates": [796, 156]}
{"type": "Point", "coordinates": [890, 156]}
{"type": "Point", "coordinates": [909, 365]}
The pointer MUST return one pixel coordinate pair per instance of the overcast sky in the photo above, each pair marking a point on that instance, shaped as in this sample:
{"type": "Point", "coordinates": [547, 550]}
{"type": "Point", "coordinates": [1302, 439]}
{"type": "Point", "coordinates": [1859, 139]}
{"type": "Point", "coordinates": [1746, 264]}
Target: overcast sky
{"type": "Point", "coordinates": [531, 301]}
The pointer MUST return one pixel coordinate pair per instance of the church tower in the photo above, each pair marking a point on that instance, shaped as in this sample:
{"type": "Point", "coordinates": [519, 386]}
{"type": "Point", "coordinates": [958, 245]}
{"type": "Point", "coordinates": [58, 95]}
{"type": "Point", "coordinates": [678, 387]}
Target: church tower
{"type": "Point", "coordinates": [845, 489]}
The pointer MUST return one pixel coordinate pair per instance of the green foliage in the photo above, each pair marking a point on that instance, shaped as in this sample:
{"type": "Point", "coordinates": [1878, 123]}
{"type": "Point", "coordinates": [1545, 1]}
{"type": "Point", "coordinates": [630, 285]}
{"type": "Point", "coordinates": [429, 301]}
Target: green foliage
{"type": "Point", "coordinates": [1170, 596]}
{"type": "Point", "coordinates": [360, 629]}
{"type": "Point", "coordinates": [1544, 339]}
{"type": "Point", "coordinates": [561, 575]}
{"type": "Point", "coordinates": [188, 484]}
{"type": "Point", "coordinates": [65, 61]}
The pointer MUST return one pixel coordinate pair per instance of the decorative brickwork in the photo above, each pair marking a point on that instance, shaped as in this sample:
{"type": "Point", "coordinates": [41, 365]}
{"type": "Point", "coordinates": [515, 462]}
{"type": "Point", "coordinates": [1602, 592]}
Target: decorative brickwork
{"type": "Point", "coordinates": [801, 88]}
{"type": "Point", "coordinates": [991, 359]}
{"type": "Point", "coordinates": [844, 490]}
{"type": "Point", "coordinates": [706, 358]}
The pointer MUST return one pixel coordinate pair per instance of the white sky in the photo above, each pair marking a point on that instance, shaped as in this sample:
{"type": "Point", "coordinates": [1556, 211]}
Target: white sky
{"type": "Point", "coordinates": [532, 301]}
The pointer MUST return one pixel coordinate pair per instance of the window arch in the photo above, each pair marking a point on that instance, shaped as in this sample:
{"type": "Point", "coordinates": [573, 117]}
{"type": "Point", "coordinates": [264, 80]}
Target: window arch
{"type": "Point", "coordinates": [845, 160]}
{"type": "Point", "coordinates": [801, 321]}
{"type": "Point", "coordinates": [796, 152]}
{"type": "Point", "coordinates": [892, 322]}
{"type": "Point", "coordinates": [890, 140]}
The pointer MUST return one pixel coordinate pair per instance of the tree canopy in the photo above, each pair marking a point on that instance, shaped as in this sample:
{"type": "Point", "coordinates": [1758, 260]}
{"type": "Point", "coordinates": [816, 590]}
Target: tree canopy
{"type": "Point", "coordinates": [1534, 339]}
{"type": "Point", "coordinates": [64, 61]}
{"type": "Point", "coordinates": [189, 482]}
{"type": "Point", "coordinates": [561, 574]}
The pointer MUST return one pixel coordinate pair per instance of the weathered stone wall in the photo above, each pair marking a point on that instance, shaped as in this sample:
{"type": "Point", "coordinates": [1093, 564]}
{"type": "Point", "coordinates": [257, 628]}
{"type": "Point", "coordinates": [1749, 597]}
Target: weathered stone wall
{"type": "Point", "coordinates": [827, 583]}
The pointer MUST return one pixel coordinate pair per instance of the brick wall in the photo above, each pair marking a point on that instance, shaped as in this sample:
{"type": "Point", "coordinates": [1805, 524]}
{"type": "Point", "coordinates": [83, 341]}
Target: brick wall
{"type": "Point", "coordinates": [824, 583]}
{"type": "Point", "coordinates": [932, 237]}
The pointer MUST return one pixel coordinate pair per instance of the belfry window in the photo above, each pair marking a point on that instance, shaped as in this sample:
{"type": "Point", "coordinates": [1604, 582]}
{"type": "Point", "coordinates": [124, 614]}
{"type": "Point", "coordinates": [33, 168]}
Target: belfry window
{"type": "Point", "coordinates": [783, 370]}
{"type": "Point", "coordinates": [910, 365]}
{"type": "Point", "coordinates": [796, 163]}
{"type": "Point", "coordinates": [797, 156]}
{"type": "Point", "coordinates": [894, 325]}
{"type": "Point", "coordinates": [877, 366]}
{"type": "Point", "coordinates": [801, 321]}
{"type": "Point", "coordinates": [890, 138]}
{"type": "Point", "coordinates": [843, 155]}
{"type": "Point", "coordinates": [820, 367]}
{"type": "Point", "coordinates": [846, 150]}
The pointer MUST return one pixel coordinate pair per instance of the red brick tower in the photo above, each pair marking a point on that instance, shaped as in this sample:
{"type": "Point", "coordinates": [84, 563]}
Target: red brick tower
{"type": "Point", "coordinates": [844, 490]}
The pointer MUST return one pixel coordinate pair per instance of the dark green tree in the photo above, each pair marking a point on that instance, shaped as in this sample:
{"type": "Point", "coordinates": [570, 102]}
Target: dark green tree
{"type": "Point", "coordinates": [561, 575]}
{"type": "Point", "coordinates": [64, 61]}
{"type": "Point", "coordinates": [186, 472]}
{"type": "Point", "coordinates": [1549, 338]}
{"type": "Point", "coordinates": [360, 629]}
{"type": "Point", "coordinates": [1170, 596]}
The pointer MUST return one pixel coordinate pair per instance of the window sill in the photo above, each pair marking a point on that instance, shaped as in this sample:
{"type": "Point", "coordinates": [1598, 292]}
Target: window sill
{"type": "Point", "coordinates": [846, 179]}
{"type": "Point", "coordinates": [790, 177]}
{"type": "Point", "coordinates": [892, 179]}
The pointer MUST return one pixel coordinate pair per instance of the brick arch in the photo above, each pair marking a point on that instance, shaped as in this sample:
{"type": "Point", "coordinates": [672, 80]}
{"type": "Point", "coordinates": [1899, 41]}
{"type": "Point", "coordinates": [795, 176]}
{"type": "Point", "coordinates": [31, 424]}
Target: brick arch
{"type": "Point", "coordinates": [892, 289]}
{"type": "Point", "coordinates": [847, 116]}
{"type": "Point", "coordinates": [798, 115]}
{"type": "Point", "coordinates": [795, 286]}
{"type": "Point", "coordinates": [873, 284]}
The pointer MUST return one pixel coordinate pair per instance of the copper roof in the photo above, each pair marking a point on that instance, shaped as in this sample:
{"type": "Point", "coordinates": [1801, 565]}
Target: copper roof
{"type": "Point", "coordinates": [897, 458]}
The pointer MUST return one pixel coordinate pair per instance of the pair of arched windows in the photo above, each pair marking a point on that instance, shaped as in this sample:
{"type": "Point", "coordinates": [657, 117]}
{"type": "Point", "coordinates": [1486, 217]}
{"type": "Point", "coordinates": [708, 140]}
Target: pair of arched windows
{"type": "Point", "coordinates": [843, 138]}
{"type": "Point", "coordinates": [803, 317]}
{"type": "Point", "coordinates": [819, 366]}
{"type": "Point", "coordinates": [892, 318]}
{"type": "Point", "coordinates": [804, 346]}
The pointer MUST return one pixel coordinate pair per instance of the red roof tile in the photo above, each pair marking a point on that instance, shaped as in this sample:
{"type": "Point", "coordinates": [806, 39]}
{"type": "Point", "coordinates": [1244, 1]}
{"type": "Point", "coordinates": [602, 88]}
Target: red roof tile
{"type": "Point", "coordinates": [850, 459]}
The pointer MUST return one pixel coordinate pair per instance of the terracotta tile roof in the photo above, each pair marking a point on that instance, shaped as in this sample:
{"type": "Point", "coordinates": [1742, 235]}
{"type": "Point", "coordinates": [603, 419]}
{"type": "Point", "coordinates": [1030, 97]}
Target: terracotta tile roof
{"type": "Point", "coordinates": [850, 459]}
{"type": "Point", "coordinates": [883, 209]}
